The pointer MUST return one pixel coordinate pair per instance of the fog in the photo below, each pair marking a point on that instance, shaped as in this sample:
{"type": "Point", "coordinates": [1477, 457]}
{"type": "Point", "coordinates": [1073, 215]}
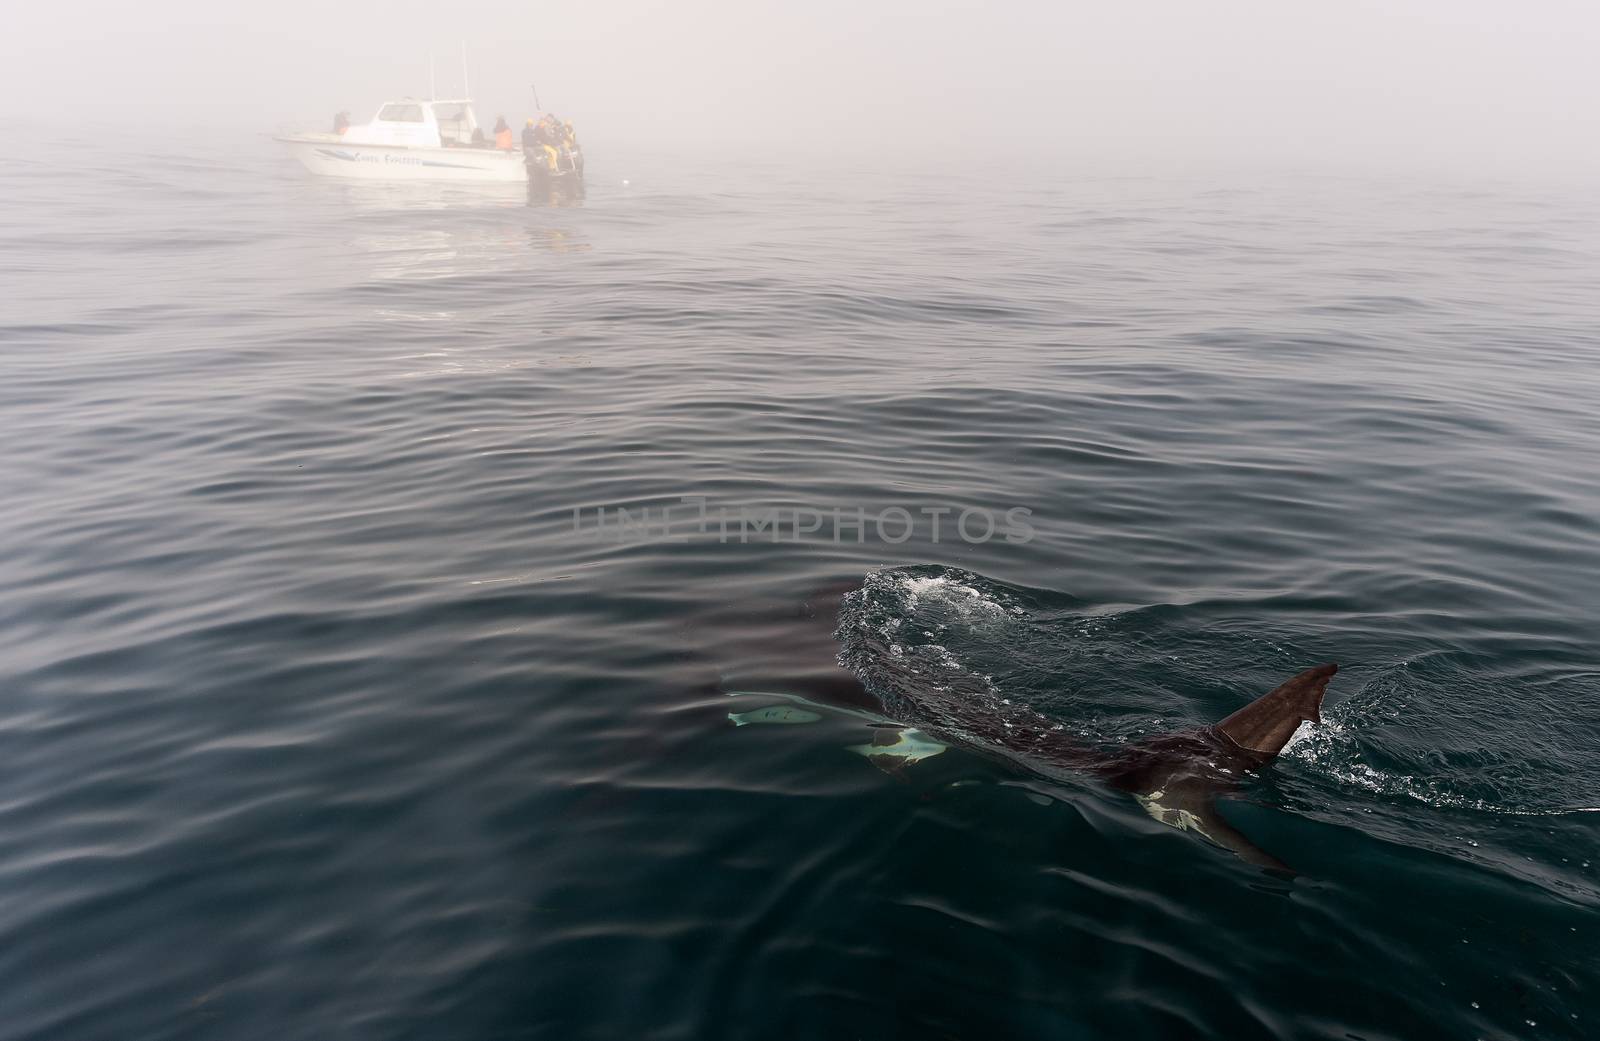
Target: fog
{"type": "Point", "coordinates": [1466, 84]}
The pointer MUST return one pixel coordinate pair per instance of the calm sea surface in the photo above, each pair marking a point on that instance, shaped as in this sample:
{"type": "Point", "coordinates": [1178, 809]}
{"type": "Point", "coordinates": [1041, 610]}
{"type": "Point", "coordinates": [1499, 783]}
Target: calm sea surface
{"type": "Point", "coordinates": [338, 699]}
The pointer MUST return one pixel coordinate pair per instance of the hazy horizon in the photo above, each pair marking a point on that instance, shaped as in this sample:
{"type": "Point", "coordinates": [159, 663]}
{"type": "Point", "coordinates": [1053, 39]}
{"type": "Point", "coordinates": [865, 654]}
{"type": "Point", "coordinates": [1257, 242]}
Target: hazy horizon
{"type": "Point", "coordinates": [1415, 85]}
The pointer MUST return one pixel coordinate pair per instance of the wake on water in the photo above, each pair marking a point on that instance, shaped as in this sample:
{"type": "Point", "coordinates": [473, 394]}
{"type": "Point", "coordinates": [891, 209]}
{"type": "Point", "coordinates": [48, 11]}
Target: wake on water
{"type": "Point", "coordinates": [1033, 656]}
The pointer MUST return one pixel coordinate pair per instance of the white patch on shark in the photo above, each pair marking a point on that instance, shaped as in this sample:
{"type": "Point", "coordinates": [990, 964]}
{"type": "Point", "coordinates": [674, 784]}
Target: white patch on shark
{"type": "Point", "coordinates": [773, 714]}
{"type": "Point", "coordinates": [909, 745]}
{"type": "Point", "coordinates": [1171, 816]}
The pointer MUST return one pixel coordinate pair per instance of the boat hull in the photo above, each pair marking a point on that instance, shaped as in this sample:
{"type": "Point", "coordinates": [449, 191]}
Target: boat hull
{"type": "Point", "coordinates": [332, 156]}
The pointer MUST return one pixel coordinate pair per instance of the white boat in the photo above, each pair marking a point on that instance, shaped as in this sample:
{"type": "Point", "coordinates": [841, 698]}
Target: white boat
{"type": "Point", "coordinates": [410, 140]}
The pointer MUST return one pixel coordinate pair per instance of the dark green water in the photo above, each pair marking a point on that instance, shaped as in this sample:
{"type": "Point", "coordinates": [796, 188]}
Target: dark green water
{"type": "Point", "coordinates": [325, 712]}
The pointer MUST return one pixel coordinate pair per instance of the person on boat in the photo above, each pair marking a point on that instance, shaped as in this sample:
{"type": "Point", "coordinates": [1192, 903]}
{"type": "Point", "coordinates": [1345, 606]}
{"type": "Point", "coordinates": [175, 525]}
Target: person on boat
{"type": "Point", "coordinates": [502, 134]}
{"type": "Point", "coordinates": [341, 123]}
{"type": "Point", "coordinates": [547, 138]}
{"type": "Point", "coordinates": [569, 144]}
{"type": "Point", "coordinates": [530, 138]}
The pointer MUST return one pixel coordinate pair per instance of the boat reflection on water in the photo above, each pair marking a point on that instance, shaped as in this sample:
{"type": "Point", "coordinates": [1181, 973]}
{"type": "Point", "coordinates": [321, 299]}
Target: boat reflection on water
{"type": "Point", "coordinates": [557, 240]}
{"type": "Point", "coordinates": [408, 232]}
{"type": "Point", "coordinates": [392, 202]}
{"type": "Point", "coordinates": [555, 193]}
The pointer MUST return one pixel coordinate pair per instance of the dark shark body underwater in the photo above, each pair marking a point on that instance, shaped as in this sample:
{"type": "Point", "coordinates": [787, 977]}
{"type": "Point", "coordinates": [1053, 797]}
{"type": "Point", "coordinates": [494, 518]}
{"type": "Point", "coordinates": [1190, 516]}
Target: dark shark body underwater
{"type": "Point", "coordinates": [1177, 777]}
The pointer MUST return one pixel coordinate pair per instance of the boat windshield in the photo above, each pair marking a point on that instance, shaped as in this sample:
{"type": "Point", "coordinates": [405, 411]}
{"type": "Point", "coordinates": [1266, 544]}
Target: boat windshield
{"type": "Point", "coordinates": [401, 113]}
{"type": "Point", "coordinates": [456, 121]}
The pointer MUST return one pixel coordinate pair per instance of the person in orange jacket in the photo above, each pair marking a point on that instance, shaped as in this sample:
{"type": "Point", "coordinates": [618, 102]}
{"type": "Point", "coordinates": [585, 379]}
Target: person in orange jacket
{"type": "Point", "coordinates": [502, 134]}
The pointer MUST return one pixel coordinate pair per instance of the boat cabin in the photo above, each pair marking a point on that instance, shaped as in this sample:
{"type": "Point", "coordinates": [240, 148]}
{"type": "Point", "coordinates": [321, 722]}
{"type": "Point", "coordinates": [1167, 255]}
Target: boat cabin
{"type": "Point", "coordinates": [419, 124]}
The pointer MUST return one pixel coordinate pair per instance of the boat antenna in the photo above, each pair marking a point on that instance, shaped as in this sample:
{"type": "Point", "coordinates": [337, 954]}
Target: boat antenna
{"type": "Point", "coordinates": [433, 90]}
{"type": "Point", "coordinates": [536, 106]}
{"type": "Point", "coordinates": [466, 88]}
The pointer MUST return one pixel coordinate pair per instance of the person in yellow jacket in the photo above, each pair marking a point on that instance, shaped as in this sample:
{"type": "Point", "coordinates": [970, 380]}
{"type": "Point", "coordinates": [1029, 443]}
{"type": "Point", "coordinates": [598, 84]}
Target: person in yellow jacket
{"type": "Point", "coordinates": [547, 135]}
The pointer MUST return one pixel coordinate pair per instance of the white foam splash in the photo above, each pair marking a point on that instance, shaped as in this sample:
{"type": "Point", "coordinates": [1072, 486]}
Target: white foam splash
{"type": "Point", "coordinates": [967, 600]}
{"type": "Point", "coordinates": [903, 610]}
{"type": "Point", "coordinates": [1329, 748]}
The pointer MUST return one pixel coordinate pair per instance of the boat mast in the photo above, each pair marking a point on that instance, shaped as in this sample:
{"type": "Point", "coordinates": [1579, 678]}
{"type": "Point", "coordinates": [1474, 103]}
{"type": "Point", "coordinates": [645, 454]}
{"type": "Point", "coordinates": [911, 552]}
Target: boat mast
{"type": "Point", "coordinates": [466, 88]}
{"type": "Point", "coordinates": [433, 90]}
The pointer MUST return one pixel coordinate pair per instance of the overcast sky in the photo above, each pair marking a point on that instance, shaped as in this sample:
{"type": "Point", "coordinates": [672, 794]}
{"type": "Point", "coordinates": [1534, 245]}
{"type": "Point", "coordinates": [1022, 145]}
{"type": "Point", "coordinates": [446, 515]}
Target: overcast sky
{"type": "Point", "coordinates": [1498, 84]}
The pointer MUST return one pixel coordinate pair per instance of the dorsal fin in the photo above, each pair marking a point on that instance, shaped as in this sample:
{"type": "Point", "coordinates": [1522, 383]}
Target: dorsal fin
{"type": "Point", "coordinates": [1266, 724]}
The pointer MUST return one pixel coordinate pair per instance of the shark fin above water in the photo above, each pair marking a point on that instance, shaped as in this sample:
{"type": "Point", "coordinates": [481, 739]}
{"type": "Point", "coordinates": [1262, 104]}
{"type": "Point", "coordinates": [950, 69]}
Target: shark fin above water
{"type": "Point", "coordinates": [1266, 724]}
{"type": "Point", "coordinates": [1177, 778]}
